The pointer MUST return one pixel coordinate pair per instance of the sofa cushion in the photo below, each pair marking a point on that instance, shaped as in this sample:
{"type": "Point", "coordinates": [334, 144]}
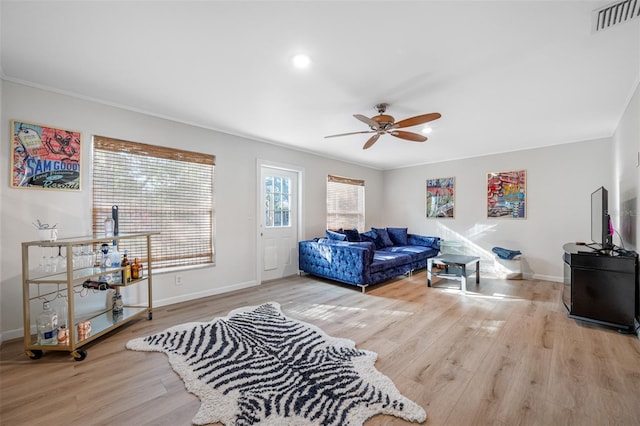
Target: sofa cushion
{"type": "Point", "coordinates": [421, 240]}
{"type": "Point", "coordinates": [383, 260]}
{"type": "Point", "coordinates": [415, 252]}
{"type": "Point", "coordinates": [352, 235]}
{"type": "Point", "coordinates": [382, 238]}
{"type": "Point", "coordinates": [398, 236]}
{"type": "Point", "coordinates": [332, 235]}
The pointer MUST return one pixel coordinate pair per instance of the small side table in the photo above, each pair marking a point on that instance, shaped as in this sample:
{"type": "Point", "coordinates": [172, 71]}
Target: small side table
{"type": "Point", "coordinates": [458, 261]}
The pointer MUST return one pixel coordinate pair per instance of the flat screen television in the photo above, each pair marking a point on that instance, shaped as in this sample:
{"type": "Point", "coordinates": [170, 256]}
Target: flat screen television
{"type": "Point", "coordinates": [601, 229]}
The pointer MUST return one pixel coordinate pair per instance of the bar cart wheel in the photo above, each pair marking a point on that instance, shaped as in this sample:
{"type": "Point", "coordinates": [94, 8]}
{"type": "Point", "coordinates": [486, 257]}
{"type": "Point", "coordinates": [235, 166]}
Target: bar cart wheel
{"type": "Point", "coordinates": [34, 354]}
{"type": "Point", "coordinates": [79, 355]}
{"type": "Point", "coordinates": [150, 316]}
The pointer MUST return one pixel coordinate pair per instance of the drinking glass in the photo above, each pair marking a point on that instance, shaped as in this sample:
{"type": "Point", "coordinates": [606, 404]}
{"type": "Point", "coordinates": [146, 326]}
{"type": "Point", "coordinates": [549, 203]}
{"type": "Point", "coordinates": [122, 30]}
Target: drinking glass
{"type": "Point", "coordinates": [52, 262]}
{"type": "Point", "coordinates": [77, 259]}
{"type": "Point", "coordinates": [43, 260]}
{"type": "Point", "coordinates": [88, 256]}
{"type": "Point", "coordinates": [61, 261]}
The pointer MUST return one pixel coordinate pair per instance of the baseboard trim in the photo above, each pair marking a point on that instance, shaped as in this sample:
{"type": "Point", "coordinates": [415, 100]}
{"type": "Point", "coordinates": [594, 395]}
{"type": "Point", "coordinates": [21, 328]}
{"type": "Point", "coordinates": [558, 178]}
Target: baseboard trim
{"type": "Point", "coordinates": [207, 293]}
{"type": "Point", "coordinates": [553, 278]}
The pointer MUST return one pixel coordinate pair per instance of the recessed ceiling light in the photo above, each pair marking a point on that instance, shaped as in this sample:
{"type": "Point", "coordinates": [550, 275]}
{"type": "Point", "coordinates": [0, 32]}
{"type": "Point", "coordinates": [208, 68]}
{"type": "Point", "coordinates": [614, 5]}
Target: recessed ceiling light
{"type": "Point", "coordinates": [427, 130]}
{"type": "Point", "coordinates": [301, 61]}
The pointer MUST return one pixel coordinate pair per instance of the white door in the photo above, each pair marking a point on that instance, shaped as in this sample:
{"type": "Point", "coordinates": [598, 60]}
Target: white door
{"type": "Point", "coordinates": [278, 251]}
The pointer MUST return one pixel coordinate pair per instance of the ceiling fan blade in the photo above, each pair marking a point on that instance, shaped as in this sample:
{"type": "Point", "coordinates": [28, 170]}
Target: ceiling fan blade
{"type": "Point", "coordinates": [371, 141]}
{"type": "Point", "coordinates": [419, 119]}
{"type": "Point", "coordinates": [372, 123]}
{"type": "Point", "coordinates": [347, 134]}
{"type": "Point", "coordinates": [410, 136]}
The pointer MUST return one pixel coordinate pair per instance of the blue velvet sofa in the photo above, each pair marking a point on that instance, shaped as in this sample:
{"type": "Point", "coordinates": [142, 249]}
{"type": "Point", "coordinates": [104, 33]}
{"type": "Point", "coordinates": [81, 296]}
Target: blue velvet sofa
{"type": "Point", "coordinates": [368, 258]}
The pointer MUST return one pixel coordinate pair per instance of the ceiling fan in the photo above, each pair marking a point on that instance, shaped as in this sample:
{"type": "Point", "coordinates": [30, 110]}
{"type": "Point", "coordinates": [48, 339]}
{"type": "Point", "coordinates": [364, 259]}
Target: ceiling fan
{"type": "Point", "coordinates": [386, 124]}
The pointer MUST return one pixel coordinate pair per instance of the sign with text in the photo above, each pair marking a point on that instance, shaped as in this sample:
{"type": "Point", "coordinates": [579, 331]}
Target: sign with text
{"type": "Point", "coordinates": [44, 157]}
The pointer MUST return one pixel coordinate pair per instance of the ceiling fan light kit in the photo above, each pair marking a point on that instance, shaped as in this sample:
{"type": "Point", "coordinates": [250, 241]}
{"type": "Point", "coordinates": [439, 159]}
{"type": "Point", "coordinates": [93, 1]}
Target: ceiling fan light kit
{"type": "Point", "coordinates": [385, 124]}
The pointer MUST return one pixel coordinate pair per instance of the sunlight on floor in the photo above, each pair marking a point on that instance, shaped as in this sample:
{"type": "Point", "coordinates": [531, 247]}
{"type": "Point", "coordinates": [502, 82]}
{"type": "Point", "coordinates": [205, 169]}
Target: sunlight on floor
{"type": "Point", "coordinates": [333, 312]}
{"type": "Point", "coordinates": [494, 296]}
{"type": "Point", "coordinates": [488, 327]}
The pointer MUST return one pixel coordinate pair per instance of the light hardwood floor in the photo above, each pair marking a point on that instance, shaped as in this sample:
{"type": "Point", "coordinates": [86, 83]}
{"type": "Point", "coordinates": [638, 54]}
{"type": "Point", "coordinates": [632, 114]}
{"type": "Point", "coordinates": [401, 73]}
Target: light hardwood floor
{"type": "Point", "coordinates": [504, 354]}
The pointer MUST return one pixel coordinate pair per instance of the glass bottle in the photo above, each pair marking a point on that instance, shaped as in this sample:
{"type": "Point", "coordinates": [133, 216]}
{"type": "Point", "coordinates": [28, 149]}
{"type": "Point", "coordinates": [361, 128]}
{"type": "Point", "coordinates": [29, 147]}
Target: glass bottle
{"type": "Point", "coordinates": [47, 324]}
{"type": "Point", "coordinates": [136, 269]}
{"type": "Point", "coordinates": [105, 262]}
{"type": "Point", "coordinates": [109, 227]}
{"type": "Point", "coordinates": [118, 305]}
{"type": "Point", "coordinates": [116, 261]}
{"type": "Point", "coordinates": [126, 272]}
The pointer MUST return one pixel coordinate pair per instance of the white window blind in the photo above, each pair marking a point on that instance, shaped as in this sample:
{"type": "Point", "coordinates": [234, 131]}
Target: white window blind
{"type": "Point", "coordinates": [157, 189]}
{"type": "Point", "coordinates": [345, 203]}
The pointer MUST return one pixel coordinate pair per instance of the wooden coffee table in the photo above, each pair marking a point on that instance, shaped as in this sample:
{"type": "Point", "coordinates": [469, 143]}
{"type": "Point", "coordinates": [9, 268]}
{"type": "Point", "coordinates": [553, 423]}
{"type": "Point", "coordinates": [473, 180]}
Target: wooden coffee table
{"type": "Point", "coordinates": [459, 264]}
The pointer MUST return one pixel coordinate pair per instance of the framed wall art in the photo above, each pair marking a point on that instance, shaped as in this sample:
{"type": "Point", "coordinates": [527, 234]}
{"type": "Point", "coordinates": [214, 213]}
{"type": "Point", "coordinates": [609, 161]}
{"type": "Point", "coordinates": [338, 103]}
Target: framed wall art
{"type": "Point", "coordinates": [507, 194]}
{"type": "Point", "coordinates": [44, 157]}
{"type": "Point", "coordinates": [441, 197]}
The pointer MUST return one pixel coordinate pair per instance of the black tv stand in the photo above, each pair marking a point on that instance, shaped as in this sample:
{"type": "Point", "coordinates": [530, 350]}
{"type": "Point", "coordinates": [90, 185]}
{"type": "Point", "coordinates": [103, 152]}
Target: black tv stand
{"type": "Point", "coordinates": [601, 287]}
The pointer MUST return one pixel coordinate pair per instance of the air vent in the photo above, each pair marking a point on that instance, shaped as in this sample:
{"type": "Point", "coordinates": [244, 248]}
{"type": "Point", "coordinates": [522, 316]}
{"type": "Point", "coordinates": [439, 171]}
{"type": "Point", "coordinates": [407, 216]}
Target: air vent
{"type": "Point", "coordinates": [615, 14]}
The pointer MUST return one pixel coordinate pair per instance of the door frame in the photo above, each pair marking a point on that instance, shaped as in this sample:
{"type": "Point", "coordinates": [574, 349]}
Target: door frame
{"type": "Point", "coordinates": [299, 171]}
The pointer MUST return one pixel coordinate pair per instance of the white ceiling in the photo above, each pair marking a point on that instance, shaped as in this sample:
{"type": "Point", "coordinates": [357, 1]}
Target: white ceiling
{"type": "Point", "coordinates": [504, 75]}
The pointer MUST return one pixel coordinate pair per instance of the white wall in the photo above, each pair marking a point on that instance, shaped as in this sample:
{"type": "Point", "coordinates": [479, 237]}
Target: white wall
{"type": "Point", "coordinates": [560, 180]}
{"type": "Point", "coordinates": [624, 201]}
{"type": "Point", "coordinates": [235, 193]}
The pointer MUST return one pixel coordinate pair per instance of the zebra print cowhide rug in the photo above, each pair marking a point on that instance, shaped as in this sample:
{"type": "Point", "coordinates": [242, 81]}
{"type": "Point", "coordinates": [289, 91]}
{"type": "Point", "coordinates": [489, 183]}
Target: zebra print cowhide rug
{"type": "Point", "coordinates": [256, 366]}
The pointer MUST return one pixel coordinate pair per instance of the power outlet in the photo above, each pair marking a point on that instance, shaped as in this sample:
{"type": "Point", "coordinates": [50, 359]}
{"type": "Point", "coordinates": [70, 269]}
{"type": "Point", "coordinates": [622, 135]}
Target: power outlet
{"type": "Point", "coordinates": [178, 280]}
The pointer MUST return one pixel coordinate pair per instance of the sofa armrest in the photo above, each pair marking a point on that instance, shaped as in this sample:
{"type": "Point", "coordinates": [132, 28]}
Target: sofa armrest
{"type": "Point", "coordinates": [349, 262]}
{"type": "Point", "coordinates": [421, 240]}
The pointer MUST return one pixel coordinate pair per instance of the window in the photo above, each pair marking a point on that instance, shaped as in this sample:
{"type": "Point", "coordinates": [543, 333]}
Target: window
{"type": "Point", "coordinates": [345, 203]}
{"type": "Point", "coordinates": [277, 191]}
{"type": "Point", "coordinates": [156, 189]}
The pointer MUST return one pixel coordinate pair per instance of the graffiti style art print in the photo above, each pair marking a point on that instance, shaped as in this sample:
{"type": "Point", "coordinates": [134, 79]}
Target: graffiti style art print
{"type": "Point", "coordinates": [507, 194]}
{"type": "Point", "coordinates": [44, 157]}
{"type": "Point", "coordinates": [441, 197]}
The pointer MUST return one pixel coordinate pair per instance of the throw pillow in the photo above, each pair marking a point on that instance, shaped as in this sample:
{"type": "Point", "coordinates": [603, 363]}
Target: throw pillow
{"type": "Point", "coordinates": [369, 236]}
{"type": "Point", "coordinates": [352, 235]}
{"type": "Point", "coordinates": [332, 235]}
{"type": "Point", "coordinates": [398, 236]}
{"type": "Point", "coordinates": [383, 235]}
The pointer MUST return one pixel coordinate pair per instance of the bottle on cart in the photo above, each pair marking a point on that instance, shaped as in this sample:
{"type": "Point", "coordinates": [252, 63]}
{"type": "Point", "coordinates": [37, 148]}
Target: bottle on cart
{"type": "Point", "coordinates": [104, 249]}
{"type": "Point", "coordinates": [105, 262]}
{"type": "Point", "coordinates": [136, 269]}
{"type": "Point", "coordinates": [118, 304]}
{"type": "Point", "coordinates": [116, 261]}
{"type": "Point", "coordinates": [47, 323]}
{"type": "Point", "coordinates": [126, 272]}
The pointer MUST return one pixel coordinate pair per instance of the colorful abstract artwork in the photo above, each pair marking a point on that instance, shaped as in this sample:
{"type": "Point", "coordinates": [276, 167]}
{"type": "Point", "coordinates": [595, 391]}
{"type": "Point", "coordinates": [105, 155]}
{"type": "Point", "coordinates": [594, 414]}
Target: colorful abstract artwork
{"type": "Point", "coordinates": [441, 197]}
{"type": "Point", "coordinates": [507, 194]}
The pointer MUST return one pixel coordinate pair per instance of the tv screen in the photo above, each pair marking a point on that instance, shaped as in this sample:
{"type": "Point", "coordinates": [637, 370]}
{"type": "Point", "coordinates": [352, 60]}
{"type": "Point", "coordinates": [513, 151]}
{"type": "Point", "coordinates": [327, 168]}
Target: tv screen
{"type": "Point", "coordinates": [600, 222]}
